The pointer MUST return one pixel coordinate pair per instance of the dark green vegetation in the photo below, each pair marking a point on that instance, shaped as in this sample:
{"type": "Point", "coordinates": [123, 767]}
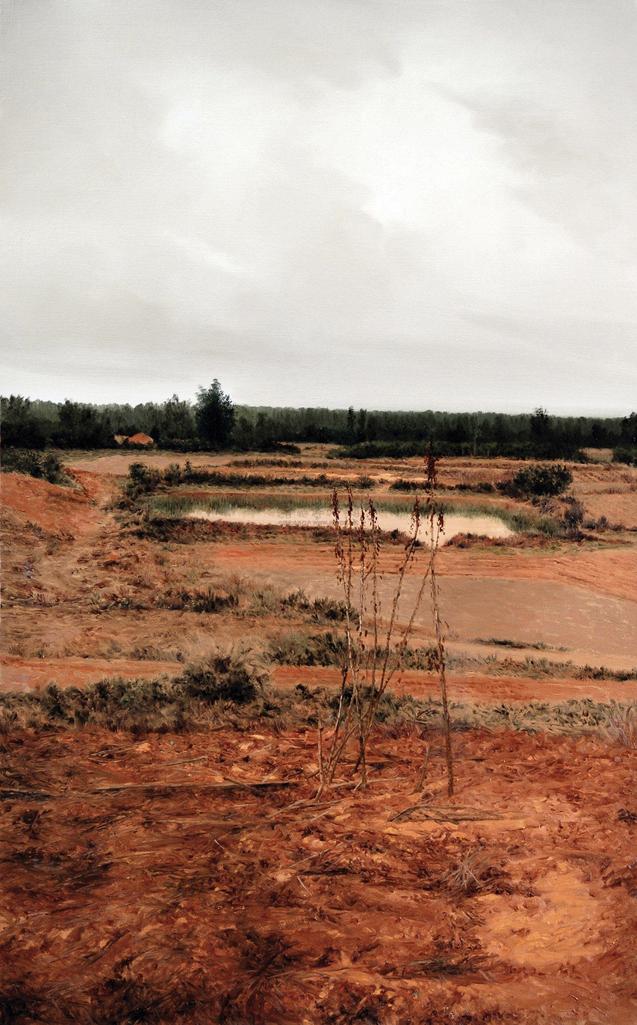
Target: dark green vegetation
{"type": "Point", "coordinates": [626, 455]}
{"type": "Point", "coordinates": [540, 480]}
{"type": "Point", "coordinates": [231, 690]}
{"type": "Point", "coordinates": [214, 422]}
{"type": "Point", "coordinates": [44, 465]}
{"type": "Point", "coordinates": [329, 649]}
{"type": "Point", "coordinates": [413, 484]}
{"type": "Point", "coordinates": [214, 416]}
{"type": "Point", "coordinates": [145, 480]}
{"type": "Point", "coordinates": [237, 597]}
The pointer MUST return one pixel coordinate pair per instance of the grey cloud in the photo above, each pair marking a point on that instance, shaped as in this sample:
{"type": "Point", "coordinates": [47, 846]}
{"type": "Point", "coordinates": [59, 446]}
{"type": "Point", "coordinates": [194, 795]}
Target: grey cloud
{"type": "Point", "coordinates": [385, 203]}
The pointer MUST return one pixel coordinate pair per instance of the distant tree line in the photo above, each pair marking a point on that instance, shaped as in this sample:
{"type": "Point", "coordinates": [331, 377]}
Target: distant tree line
{"type": "Point", "coordinates": [214, 422]}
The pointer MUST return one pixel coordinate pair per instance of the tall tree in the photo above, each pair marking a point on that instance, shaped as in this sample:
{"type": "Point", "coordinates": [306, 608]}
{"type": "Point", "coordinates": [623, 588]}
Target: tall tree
{"type": "Point", "coordinates": [214, 413]}
{"type": "Point", "coordinates": [19, 426]}
{"type": "Point", "coordinates": [540, 424]}
{"type": "Point", "coordinates": [351, 424]}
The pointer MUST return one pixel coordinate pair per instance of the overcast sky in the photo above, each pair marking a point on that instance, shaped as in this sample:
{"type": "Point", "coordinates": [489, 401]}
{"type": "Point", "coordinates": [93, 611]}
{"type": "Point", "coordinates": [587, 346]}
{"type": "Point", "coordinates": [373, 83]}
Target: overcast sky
{"type": "Point", "coordinates": [389, 203]}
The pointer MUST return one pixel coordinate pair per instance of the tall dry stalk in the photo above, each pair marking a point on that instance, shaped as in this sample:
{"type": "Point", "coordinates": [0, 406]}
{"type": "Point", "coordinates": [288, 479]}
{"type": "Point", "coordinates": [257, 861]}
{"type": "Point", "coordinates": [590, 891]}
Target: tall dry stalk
{"type": "Point", "coordinates": [436, 526]}
{"type": "Point", "coordinates": [374, 651]}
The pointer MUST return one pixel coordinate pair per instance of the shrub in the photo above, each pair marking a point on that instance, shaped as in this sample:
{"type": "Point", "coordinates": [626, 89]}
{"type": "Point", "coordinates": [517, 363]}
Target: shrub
{"type": "Point", "coordinates": [225, 677]}
{"type": "Point", "coordinates": [199, 601]}
{"type": "Point", "coordinates": [625, 455]}
{"type": "Point", "coordinates": [141, 480]}
{"type": "Point", "coordinates": [541, 479]}
{"type": "Point", "coordinates": [319, 609]}
{"type": "Point", "coordinates": [574, 517]}
{"type": "Point", "coordinates": [326, 649]}
{"type": "Point", "coordinates": [44, 465]}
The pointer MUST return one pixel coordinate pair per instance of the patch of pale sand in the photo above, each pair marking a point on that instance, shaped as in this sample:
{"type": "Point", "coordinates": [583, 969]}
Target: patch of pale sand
{"type": "Point", "coordinates": [559, 926]}
{"type": "Point", "coordinates": [117, 462]}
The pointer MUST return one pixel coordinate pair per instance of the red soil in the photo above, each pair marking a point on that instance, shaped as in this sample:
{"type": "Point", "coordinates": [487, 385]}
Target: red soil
{"type": "Point", "coordinates": [140, 439]}
{"type": "Point", "coordinates": [19, 674]}
{"type": "Point", "coordinates": [475, 688]}
{"type": "Point", "coordinates": [171, 898]}
{"type": "Point", "coordinates": [177, 900]}
{"type": "Point", "coordinates": [53, 508]}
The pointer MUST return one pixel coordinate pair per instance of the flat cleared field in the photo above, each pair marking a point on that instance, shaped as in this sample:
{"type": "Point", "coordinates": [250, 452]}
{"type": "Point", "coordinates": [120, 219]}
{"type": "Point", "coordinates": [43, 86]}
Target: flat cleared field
{"type": "Point", "coordinates": [165, 868]}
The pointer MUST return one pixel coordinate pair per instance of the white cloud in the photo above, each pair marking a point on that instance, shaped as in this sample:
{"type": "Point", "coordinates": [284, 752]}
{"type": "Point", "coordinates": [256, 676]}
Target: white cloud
{"type": "Point", "coordinates": [385, 203]}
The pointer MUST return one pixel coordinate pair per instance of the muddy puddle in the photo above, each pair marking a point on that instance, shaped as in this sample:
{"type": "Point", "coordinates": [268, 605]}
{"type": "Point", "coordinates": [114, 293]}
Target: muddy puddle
{"type": "Point", "coordinates": [320, 516]}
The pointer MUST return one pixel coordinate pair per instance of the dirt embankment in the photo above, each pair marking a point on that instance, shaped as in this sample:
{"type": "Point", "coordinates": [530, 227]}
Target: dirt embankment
{"type": "Point", "coordinates": [52, 508]}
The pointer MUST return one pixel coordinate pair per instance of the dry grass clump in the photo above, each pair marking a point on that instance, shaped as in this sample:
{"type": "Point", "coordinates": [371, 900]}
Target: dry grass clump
{"type": "Point", "coordinates": [474, 872]}
{"type": "Point", "coordinates": [297, 649]}
{"type": "Point", "coordinates": [269, 601]}
{"type": "Point", "coordinates": [329, 649]}
{"type": "Point", "coordinates": [152, 653]}
{"type": "Point", "coordinates": [621, 727]}
{"type": "Point", "coordinates": [209, 600]}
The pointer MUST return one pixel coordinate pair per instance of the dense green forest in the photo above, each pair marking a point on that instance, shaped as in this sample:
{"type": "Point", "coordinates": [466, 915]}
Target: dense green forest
{"type": "Point", "coordinates": [214, 422]}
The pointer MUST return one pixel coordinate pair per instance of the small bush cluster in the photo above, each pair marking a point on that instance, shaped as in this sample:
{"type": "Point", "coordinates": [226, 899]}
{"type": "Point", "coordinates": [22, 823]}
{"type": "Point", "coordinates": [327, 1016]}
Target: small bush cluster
{"type": "Point", "coordinates": [225, 677]}
{"type": "Point", "coordinates": [541, 480]}
{"type": "Point", "coordinates": [326, 649]}
{"type": "Point", "coordinates": [221, 691]}
{"type": "Point", "coordinates": [199, 601]}
{"type": "Point", "coordinates": [625, 455]}
{"type": "Point", "coordinates": [161, 704]}
{"type": "Point", "coordinates": [319, 609]}
{"type": "Point", "coordinates": [290, 464]}
{"type": "Point", "coordinates": [44, 465]}
{"type": "Point", "coordinates": [235, 595]}
{"type": "Point", "coordinates": [412, 484]}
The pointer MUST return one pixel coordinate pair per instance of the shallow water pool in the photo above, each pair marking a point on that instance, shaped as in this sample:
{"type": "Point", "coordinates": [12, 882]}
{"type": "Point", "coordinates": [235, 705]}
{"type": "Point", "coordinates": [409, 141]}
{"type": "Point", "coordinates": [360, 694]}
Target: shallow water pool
{"type": "Point", "coordinates": [320, 516]}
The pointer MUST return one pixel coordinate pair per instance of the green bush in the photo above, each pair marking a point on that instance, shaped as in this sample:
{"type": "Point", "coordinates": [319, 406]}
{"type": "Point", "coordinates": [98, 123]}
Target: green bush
{"type": "Point", "coordinates": [541, 479]}
{"type": "Point", "coordinates": [199, 601]}
{"type": "Point", "coordinates": [326, 649]}
{"type": "Point", "coordinates": [44, 465]}
{"type": "Point", "coordinates": [224, 677]}
{"type": "Point", "coordinates": [319, 609]}
{"type": "Point", "coordinates": [142, 704]}
{"type": "Point", "coordinates": [625, 455]}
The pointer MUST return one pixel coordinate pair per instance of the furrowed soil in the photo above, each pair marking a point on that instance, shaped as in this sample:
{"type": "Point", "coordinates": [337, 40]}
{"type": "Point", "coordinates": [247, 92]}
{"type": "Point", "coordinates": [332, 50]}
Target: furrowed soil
{"type": "Point", "coordinates": [188, 873]}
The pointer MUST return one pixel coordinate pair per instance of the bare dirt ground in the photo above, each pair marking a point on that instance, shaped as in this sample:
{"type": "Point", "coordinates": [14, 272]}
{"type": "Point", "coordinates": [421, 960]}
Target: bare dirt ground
{"type": "Point", "coordinates": [154, 880]}
{"type": "Point", "coordinates": [149, 877]}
